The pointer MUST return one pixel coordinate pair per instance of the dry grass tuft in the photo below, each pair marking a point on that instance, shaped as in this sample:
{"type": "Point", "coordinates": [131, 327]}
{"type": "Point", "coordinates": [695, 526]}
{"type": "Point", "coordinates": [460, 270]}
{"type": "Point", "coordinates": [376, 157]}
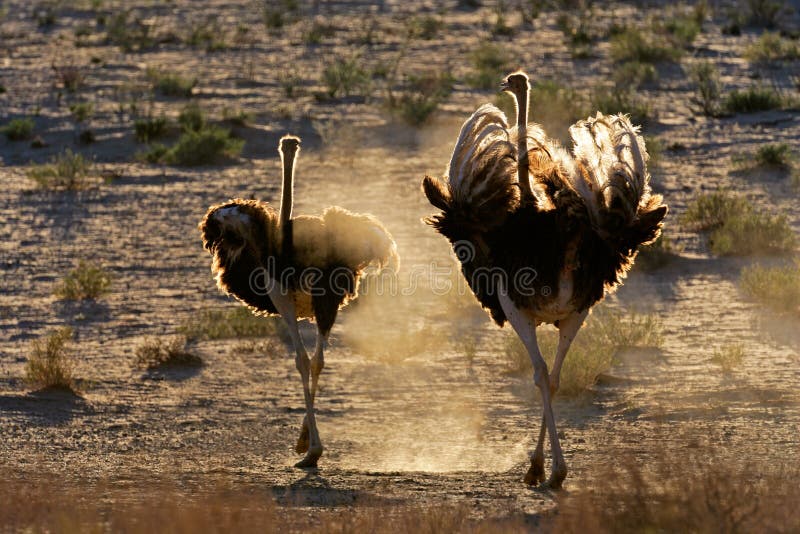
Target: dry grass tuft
{"type": "Point", "coordinates": [683, 491]}
{"type": "Point", "coordinates": [708, 87]}
{"type": "Point", "coordinates": [86, 281]}
{"type": "Point", "coordinates": [729, 357]}
{"type": "Point", "coordinates": [770, 46]}
{"type": "Point", "coordinates": [49, 364]}
{"type": "Point", "coordinates": [631, 44]}
{"type": "Point", "coordinates": [777, 288]}
{"type": "Point", "coordinates": [230, 323]}
{"type": "Point", "coordinates": [736, 227]}
{"type": "Point", "coordinates": [68, 171]}
{"type": "Point", "coordinates": [593, 350]}
{"type": "Point", "coordinates": [170, 83]}
{"type": "Point", "coordinates": [154, 352]}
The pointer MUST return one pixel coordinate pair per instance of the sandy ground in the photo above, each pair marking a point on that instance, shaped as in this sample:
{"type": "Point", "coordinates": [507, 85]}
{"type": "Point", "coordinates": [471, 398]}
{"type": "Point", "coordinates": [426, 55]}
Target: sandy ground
{"type": "Point", "coordinates": [399, 424]}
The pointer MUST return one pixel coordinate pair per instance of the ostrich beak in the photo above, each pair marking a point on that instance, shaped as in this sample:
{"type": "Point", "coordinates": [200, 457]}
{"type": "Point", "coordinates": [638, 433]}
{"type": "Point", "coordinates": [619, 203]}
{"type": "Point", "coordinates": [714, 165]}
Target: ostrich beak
{"type": "Point", "coordinates": [504, 86]}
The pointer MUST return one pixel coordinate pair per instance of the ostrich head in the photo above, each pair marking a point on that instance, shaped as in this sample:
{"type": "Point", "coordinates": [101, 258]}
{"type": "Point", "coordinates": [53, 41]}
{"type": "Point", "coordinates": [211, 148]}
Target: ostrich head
{"type": "Point", "coordinates": [289, 146]}
{"type": "Point", "coordinates": [517, 84]}
{"type": "Point", "coordinates": [227, 229]}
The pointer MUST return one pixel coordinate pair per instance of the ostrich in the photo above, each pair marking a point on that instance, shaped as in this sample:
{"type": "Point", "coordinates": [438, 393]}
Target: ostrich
{"type": "Point", "coordinates": [305, 267]}
{"type": "Point", "coordinates": [542, 234]}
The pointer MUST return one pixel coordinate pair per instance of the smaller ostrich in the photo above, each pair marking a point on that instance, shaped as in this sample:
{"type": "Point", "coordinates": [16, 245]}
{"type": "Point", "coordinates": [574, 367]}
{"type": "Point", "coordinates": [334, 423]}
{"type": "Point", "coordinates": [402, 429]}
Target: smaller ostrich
{"type": "Point", "coordinates": [299, 268]}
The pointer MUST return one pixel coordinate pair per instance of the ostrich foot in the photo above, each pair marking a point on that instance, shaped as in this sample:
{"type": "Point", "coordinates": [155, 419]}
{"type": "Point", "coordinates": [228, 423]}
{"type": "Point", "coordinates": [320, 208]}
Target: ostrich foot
{"type": "Point", "coordinates": [311, 458]}
{"type": "Point", "coordinates": [557, 477]}
{"type": "Point", "coordinates": [302, 441]}
{"type": "Point", "coordinates": [535, 473]}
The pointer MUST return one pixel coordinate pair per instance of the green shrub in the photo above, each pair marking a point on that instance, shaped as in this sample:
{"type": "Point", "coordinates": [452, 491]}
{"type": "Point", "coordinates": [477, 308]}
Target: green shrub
{"type": "Point", "coordinates": [50, 364]}
{"type": "Point", "coordinates": [192, 118]}
{"type": "Point", "coordinates": [318, 31]}
{"type": "Point", "coordinates": [421, 96]}
{"type": "Point", "coordinates": [711, 210]}
{"type": "Point", "coordinates": [70, 77]}
{"type": "Point", "coordinates": [156, 153]}
{"type": "Point", "coordinates": [86, 281]}
{"type": "Point", "coordinates": [169, 84]}
{"type": "Point", "coordinates": [737, 229]}
{"type": "Point", "coordinates": [774, 155]}
{"type": "Point", "coordinates": [232, 323]}
{"type": "Point", "coordinates": [81, 111]}
{"type": "Point", "coordinates": [128, 35]}
{"type": "Point", "coordinates": [19, 129]}
{"type": "Point", "coordinates": [752, 100]}
{"type": "Point", "coordinates": [154, 353]}
{"type": "Point", "coordinates": [616, 100]}
{"type": "Point", "coordinates": [67, 171]}
{"type": "Point", "coordinates": [776, 287]}
{"type": "Point", "coordinates": [489, 63]}
{"type": "Point", "coordinates": [150, 128]}
{"type": "Point", "coordinates": [770, 46]}
{"type": "Point", "coordinates": [682, 29]}
{"type": "Point", "coordinates": [632, 45]}
{"type": "Point", "coordinates": [206, 34]}
{"type": "Point", "coordinates": [633, 74]}
{"type": "Point", "coordinates": [425, 27]}
{"type": "Point", "coordinates": [210, 145]}
{"type": "Point", "coordinates": [346, 76]}
{"type": "Point", "coordinates": [276, 15]}
{"type": "Point", "coordinates": [764, 12]}
{"type": "Point", "coordinates": [729, 357]}
{"type": "Point", "coordinates": [708, 87]}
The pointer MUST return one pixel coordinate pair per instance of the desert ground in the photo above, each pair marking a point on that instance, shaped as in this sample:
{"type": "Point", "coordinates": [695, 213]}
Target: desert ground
{"type": "Point", "coordinates": [423, 417]}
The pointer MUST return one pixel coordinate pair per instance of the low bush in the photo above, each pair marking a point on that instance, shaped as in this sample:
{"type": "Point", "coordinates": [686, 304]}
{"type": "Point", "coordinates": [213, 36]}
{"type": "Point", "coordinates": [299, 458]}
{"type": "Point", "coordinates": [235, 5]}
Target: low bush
{"type": "Point", "coordinates": [489, 63]}
{"type": "Point", "coordinates": [777, 288]}
{"type": "Point", "coordinates": [752, 99]}
{"type": "Point", "coordinates": [50, 363]}
{"type": "Point", "coordinates": [232, 323]}
{"type": "Point", "coordinates": [68, 171]}
{"type": "Point", "coordinates": [86, 281]}
{"type": "Point", "coordinates": [736, 227]}
{"type": "Point", "coordinates": [154, 353]}
{"type": "Point", "coordinates": [18, 129]}
{"type": "Point", "coordinates": [593, 350]}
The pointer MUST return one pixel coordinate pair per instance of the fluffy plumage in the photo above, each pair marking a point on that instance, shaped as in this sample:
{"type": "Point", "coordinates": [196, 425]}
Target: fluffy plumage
{"type": "Point", "coordinates": [542, 234]}
{"type": "Point", "coordinates": [328, 257]}
{"type": "Point", "coordinates": [297, 267]}
{"type": "Point", "coordinates": [592, 208]}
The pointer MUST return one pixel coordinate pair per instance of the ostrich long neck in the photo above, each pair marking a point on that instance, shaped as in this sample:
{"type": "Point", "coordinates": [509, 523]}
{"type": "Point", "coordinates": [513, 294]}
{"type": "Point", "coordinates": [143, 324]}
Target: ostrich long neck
{"type": "Point", "coordinates": [288, 186]}
{"type": "Point", "coordinates": [522, 144]}
{"type": "Point", "coordinates": [287, 232]}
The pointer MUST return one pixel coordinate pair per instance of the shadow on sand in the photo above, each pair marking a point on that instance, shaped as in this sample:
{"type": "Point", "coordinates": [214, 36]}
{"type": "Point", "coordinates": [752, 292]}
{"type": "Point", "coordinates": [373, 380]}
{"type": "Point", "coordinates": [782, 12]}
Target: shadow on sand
{"type": "Point", "coordinates": [46, 407]}
{"type": "Point", "coordinates": [315, 490]}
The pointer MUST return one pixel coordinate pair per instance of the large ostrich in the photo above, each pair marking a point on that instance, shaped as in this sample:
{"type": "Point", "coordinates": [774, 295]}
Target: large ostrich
{"type": "Point", "coordinates": [541, 233]}
{"type": "Point", "coordinates": [302, 267]}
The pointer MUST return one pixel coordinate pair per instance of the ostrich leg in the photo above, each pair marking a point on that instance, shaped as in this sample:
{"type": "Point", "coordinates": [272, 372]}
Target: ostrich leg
{"type": "Point", "coordinates": [567, 330]}
{"type": "Point", "coordinates": [317, 364]}
{"type": "Point", "coordinates": [525, 328]}
{"type": "Point", "coordinates": [285, 306]}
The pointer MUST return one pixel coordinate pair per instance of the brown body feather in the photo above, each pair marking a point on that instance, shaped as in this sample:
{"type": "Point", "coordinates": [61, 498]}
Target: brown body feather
{"type": "Point", "coordinates": [580, 235]}
{"type": "Point", "coordinates": [322, 271]}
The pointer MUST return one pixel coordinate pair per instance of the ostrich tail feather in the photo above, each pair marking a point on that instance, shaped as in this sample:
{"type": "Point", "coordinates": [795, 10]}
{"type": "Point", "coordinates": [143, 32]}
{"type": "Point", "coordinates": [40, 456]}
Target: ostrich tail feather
{"type": "Point", "coordinates": [359, 240]}
{"type": "Point", "coordinates": [612, 178]}
{"type": "Point", "coordinates": [480, 185]}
